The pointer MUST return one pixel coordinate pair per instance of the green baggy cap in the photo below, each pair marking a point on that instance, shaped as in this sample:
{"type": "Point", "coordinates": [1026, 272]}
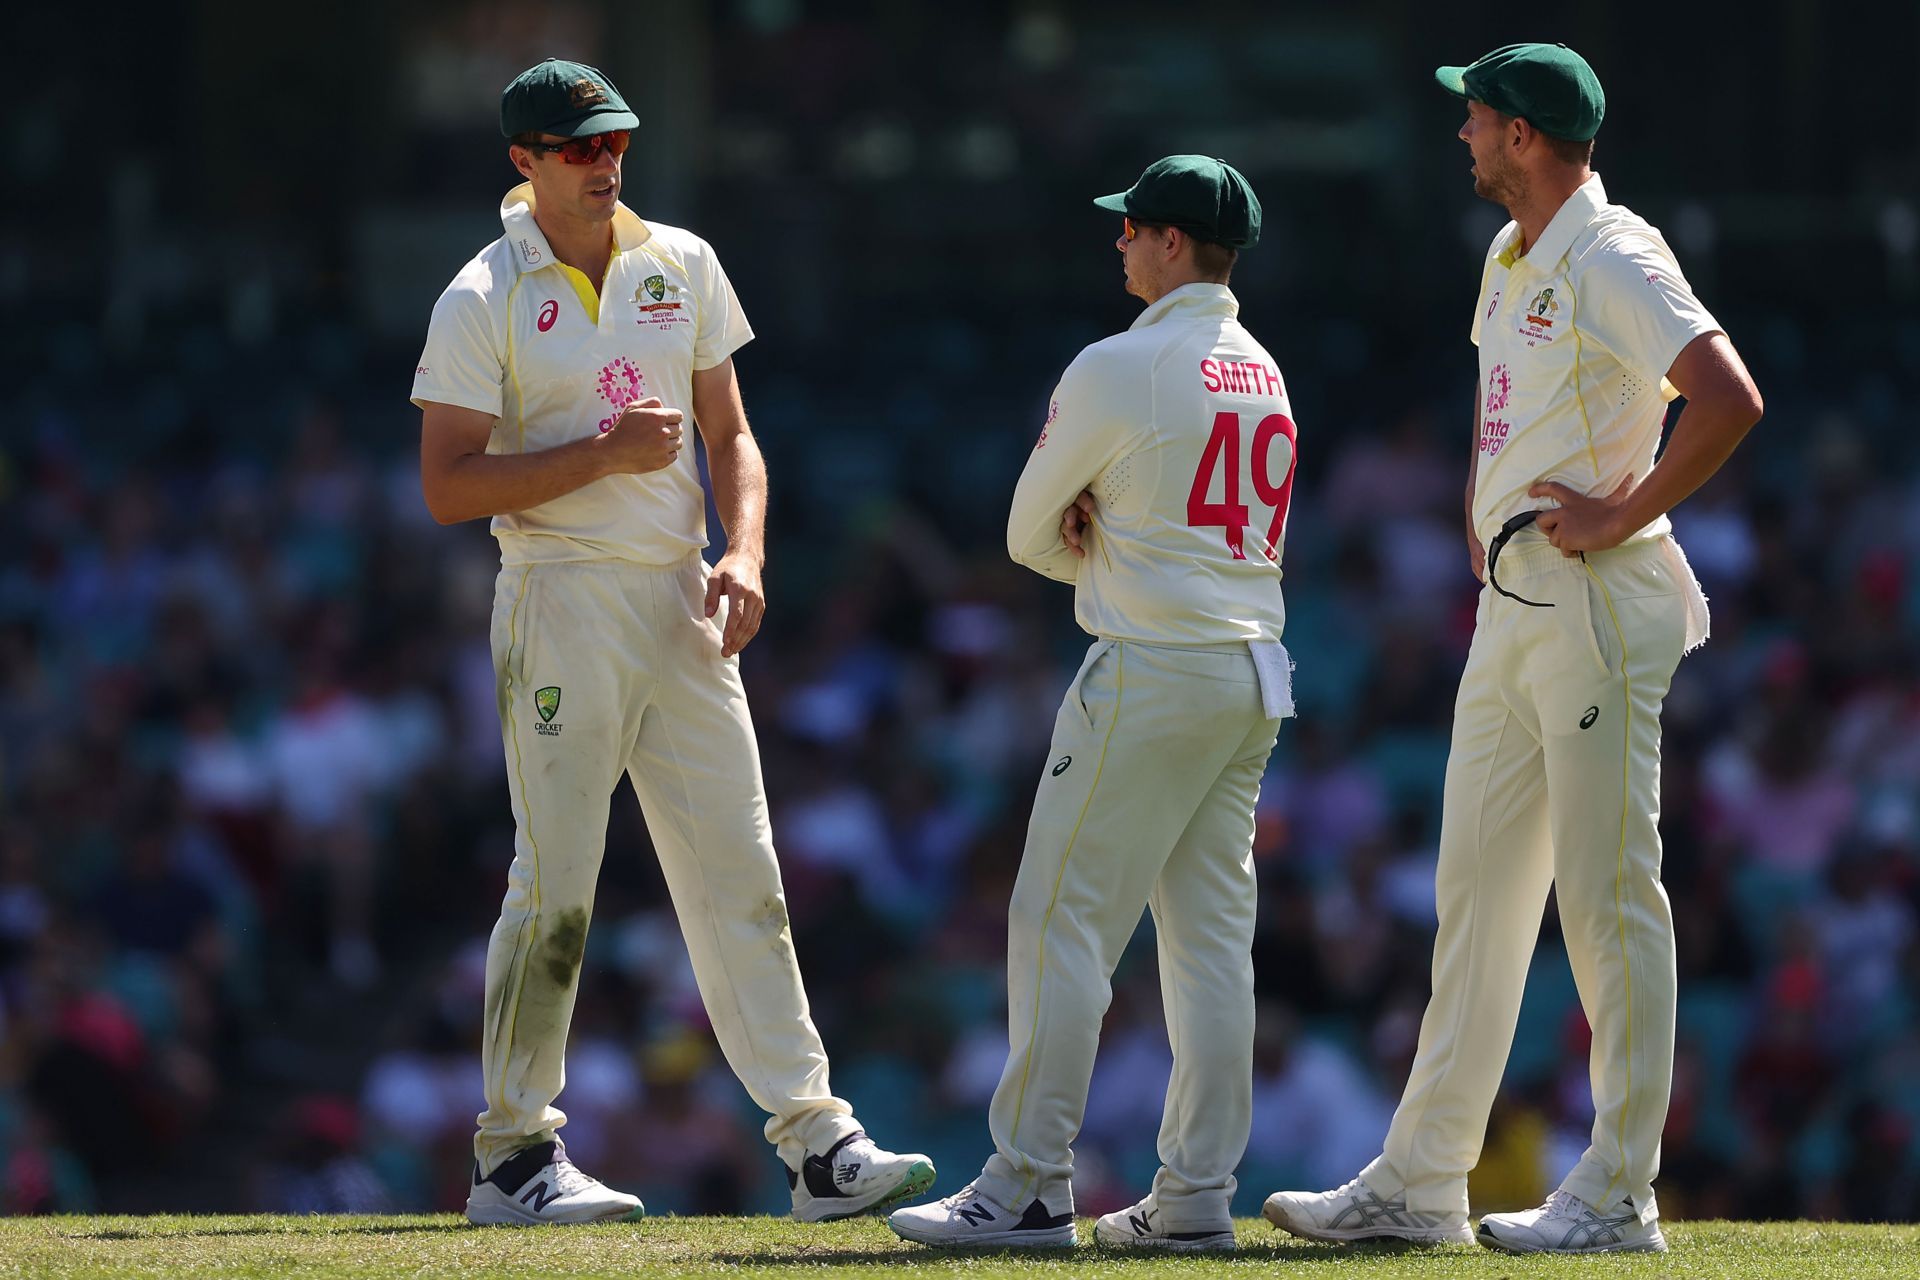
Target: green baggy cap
{"type": "Point", "coordinates": [570, 99]}
{"type": "Point", "coordinates": [1208, 199]}
{"type": "Point", "coordinates": [1549, 84]}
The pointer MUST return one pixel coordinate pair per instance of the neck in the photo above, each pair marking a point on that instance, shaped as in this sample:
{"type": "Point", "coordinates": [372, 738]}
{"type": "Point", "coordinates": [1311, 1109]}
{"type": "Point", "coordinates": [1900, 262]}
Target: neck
{"type": "Point", "coordinates": [1177, 281]}
{"type": "Point", "coordinates": [1543, 198]}
{"type": "Point", "coordinates": [581, 244]}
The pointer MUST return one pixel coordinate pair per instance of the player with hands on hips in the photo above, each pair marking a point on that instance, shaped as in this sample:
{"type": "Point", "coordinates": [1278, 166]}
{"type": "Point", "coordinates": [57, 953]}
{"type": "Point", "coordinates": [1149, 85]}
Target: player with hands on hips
{"type": "Point", "coordinates": [1159, 487]}
{"type": "Point", "coordinates": [1586, 330]}
{"type": "Point", "coordinates": [559, 368]}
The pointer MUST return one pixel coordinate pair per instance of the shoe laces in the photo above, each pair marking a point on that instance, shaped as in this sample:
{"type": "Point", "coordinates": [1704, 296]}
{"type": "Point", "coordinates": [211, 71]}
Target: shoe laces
{"type": "Point", "coordinates": [569, 1177]}
{"type": "Point", "coordinates": [1354, 1187]}
{"type": "Point", "coordinates": [960, 1197]}
{"type": "Point", "coordinates": [1565, 1204]}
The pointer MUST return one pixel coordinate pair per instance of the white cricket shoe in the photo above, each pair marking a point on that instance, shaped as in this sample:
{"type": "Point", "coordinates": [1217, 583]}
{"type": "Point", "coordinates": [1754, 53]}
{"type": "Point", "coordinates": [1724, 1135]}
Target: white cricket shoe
{"type": "Point", "coordinates": [1139, 1227]}
{"type": "Point", "coordinates": [1354, 1212]}
{"type": "Point", "coordinates": [539, 1186]}
{"type": "Point", "coordinates": [967, 1219]}
{"type": "Point", "coordinates": [853, 1177]}
{"type": "Point", "coordinates": [1568, 1224]}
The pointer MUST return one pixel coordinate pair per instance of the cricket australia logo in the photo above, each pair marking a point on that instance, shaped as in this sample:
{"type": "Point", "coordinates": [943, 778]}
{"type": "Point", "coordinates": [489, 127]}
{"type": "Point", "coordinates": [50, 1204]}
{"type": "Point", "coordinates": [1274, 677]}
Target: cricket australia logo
{"type": "Point", "coordinates": [666, 308]}
{"type": "Point", "coordinates": [656, 287]}
{"type": "Point", "coordinates": [547, 702]}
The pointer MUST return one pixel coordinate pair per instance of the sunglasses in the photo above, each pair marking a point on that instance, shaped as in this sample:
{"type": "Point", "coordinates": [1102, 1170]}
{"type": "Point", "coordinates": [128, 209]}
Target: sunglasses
{"type": "Point", "coordinates": [1128, 230]}
{"type": "Point", "coordinates": [585, 150]}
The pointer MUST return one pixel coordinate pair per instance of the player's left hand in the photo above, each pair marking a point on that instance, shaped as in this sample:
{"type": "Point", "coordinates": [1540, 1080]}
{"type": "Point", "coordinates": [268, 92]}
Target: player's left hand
{"type": "Point", "coordinates": [738, 579]}
{"type": "Point", "coordinates": [1076, 520]}
{"type": "Point", "coordinates": [1583, 523]}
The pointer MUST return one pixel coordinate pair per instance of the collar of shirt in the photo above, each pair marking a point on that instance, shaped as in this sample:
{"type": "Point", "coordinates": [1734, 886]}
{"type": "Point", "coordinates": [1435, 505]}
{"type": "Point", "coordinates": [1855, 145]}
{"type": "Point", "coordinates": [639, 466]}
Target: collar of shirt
{"type": "Point", "coordinates": [531, 252]}
{"type": "Point", "coordinates": [1190, 299]}
{"type": "Point", "coordinates": [1572, 217]}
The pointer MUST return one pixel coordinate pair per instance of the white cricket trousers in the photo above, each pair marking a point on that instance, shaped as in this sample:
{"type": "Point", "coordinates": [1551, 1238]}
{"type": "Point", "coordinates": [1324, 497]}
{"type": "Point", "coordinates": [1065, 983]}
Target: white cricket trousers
{"type": "Point", "coordinates": [606, 667]}
{"type": "Point", "coordinates": [1146, 801]}
{"type": "Point", "coordinates": [1553, 781]}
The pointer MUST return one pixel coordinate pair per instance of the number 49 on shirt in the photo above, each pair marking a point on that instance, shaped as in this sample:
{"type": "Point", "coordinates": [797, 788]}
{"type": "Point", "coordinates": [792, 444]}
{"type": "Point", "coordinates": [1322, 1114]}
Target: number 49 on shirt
{"type": "Point", "coordinates": [1223, 454]}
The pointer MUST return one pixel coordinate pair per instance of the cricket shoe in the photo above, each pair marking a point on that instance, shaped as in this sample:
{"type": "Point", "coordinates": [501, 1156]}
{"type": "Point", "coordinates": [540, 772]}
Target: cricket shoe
{"type": "Point", "coordinates": [1568, 1224]}
{"type": "Point", "coordinates": [1355, 1212]}
{"type": "Point", "coordinates": [967, 1219]}
{"type": "Point", "coordinates": [1139, 1227]}
{"type": "Point", "coordinates": [539, 1186]}
{"type": "Point", "coordinates": [853, 1177]}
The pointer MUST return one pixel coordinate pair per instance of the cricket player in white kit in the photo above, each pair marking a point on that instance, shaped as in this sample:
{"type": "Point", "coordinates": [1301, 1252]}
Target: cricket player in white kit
{"type": "Point", "coordinates": [1586, 329]}
{"type": "Point", "coordinates": [1159, 487]}
{"type": "Point", "coordinates": [559, 366]}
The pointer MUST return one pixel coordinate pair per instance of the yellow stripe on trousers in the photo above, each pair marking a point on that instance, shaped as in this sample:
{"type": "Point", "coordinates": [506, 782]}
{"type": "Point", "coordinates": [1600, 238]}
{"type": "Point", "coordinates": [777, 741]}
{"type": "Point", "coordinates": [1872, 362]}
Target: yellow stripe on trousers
{"type": "Point", "coordinates": [513, 735]}
{"type": "Point", "coordinates": [1620, 872]}
{"type": "Point", "coordinates": [1040, 971]}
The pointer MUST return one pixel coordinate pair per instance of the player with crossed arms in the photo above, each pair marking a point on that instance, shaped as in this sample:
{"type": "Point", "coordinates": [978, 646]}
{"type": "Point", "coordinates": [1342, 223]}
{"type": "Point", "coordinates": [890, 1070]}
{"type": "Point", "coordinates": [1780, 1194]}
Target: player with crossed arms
{"type": "Point", "coordinates": [1586, 330]}
{"type": "Point", "coordinates": [1159, 488]}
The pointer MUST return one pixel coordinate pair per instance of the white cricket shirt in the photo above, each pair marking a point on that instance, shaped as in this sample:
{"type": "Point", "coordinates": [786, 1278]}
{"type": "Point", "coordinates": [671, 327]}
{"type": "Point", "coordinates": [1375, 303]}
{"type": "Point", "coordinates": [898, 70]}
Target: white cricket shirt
{"type": "Point", "coordinates": [1182, 429]}
{"type": "Point", "coordinates": [1575, 340]}
{"type": "Point", "coordinates": [513, 337]}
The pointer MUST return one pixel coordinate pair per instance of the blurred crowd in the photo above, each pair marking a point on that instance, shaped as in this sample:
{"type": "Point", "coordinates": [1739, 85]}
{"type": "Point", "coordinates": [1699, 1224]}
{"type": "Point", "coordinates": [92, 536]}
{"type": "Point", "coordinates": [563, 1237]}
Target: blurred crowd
{"type": "Point", "coordinates": [253, 817]}
{"type": "Point", "coordinates": [257, 831]}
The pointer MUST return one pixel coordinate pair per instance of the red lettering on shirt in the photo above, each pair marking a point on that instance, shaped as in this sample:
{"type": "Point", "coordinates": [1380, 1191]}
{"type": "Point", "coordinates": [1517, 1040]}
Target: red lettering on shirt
{"type": "Point", "coordinates": [1210, 373]}
{"type": "Point", "coordinates": [1241, 377]}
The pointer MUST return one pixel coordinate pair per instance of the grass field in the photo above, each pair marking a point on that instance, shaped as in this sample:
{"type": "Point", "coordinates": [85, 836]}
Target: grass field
{"type": "Point", "coordinates": [445, 1246]}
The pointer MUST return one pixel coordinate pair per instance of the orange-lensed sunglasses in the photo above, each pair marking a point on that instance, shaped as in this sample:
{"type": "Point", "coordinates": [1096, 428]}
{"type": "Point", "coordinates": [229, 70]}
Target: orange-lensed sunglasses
{"type": "Point", "coordinates": [585, 150]}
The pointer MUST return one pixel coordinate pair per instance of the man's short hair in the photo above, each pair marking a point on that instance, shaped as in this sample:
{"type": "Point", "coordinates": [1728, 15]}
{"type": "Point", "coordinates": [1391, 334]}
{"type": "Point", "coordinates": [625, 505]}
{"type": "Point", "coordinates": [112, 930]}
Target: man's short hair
{"type": "Point", "coordinates": [1565, 150]}
{"type": "Point", "coordinates": [1215, 261]}
{"type": "Point", "coordinates": [1569, 152]}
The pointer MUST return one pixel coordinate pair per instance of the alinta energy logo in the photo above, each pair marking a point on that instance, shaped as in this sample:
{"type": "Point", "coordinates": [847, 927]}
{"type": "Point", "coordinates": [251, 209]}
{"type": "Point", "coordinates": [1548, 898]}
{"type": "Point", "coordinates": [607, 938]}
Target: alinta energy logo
{"type": "Point", "coordinates": [620, 384]}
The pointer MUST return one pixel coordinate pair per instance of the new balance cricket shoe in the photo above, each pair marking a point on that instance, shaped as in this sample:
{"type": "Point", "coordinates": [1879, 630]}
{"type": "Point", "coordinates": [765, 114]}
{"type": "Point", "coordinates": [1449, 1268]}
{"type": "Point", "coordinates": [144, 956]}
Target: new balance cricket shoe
{"type": "Point", "coordinates": [1568, 1224]}
{"type": "Point", "coordinates": [539, 1186]}
{"type": "Point", "coordinates": [967, 1219]}
{"type": "Point", "coordinates": [1140, 1227]}
{"type": "Point", "coordinates": [1355, 1212]}
{"type": "Point", "coordinates": [853, 1177]}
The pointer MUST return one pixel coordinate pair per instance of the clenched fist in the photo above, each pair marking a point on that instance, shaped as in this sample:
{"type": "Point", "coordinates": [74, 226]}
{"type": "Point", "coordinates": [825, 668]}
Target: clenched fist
{"type": "Point", "coordinates": [645, 437]}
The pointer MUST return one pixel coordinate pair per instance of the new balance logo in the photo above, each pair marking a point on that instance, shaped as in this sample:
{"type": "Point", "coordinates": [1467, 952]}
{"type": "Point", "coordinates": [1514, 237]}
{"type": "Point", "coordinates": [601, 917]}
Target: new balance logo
{"type": "Point", "coordinates": [1138, 1223]}
{"type": "Point", "coordinates": [975, 1214]}
{"type": "Point", "coordinates": [539, 1197]}
{"type": "Point", "coordinates": [846, 1173]}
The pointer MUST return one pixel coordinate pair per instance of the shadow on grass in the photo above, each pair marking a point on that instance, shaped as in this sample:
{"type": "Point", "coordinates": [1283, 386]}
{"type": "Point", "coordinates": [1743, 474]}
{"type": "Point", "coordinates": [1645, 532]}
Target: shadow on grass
{"type": "Point", "coordinates": [319, 1229]}
{"type": "Point", "coordinates": [1261, 1254]}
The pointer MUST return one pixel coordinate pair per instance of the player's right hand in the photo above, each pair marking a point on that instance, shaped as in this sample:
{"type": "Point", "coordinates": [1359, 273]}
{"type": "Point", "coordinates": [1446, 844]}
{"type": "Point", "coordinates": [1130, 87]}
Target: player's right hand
{"type": "Point", "coordinates": [1075, 521]}
{"type": "Point", "coordinates": [646, 437]}
{"type": "Point", "coordinates": [1476, 555]}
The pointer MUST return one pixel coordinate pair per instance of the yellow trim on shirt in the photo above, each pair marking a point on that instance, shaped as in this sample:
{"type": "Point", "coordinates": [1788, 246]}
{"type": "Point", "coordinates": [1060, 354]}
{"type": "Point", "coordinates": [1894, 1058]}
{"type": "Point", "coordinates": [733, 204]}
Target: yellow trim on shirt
{"type": "Point", "coordinates": [583, 288]}
{"type": "Point", "coordinates": [1579, 353]}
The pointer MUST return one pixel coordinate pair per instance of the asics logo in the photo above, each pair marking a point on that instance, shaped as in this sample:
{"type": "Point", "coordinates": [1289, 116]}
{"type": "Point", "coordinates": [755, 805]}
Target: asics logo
{"type": "Point", "coordinates": [1586, 721]}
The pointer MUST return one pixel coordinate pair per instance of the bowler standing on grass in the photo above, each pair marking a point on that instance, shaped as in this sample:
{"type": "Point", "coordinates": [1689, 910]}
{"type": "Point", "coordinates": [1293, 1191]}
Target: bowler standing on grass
{"type": "Point", "coordinates": [1586, 330]}
{"type": "Point", "coordinates": [559, 367]}
{"type": "Point", "coordinates": [1159, 487]}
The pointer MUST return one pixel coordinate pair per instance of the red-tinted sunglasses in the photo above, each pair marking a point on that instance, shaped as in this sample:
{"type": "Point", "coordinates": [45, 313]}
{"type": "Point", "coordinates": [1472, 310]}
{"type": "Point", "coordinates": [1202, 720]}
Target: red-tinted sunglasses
{"type": "Point", "coordinates": [585, 150]}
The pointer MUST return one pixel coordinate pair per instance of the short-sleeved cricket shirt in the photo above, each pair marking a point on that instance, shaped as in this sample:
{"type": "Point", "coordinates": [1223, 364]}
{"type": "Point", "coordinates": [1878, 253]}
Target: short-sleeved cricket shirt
{"type": "Point", "coordinates": [515, 336]}
{"type": "Point", "coordinates": [1575, 340]}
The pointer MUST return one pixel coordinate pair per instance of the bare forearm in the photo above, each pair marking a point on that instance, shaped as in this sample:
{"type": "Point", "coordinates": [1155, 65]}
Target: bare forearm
{"type": "Point", "coordinates": [474, 485]}
{"type": "Point", "coordinates": [739, 475]}
{"type": "Point", "coordinates": [1703, 439]}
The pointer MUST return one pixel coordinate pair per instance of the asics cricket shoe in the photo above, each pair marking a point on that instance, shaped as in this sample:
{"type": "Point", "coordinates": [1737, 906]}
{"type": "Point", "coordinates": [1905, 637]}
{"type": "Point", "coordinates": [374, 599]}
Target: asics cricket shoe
{"type": "Point", "coordinates": [1140, 1227]}
{"type": "Point", "coordinates": [853, 1177]}
{"type": "Point", "coordinates": [1355, 1212]}
{"type": "Point", "coordinates": [540, 1185]}
{"type": "Point", "coordinates": [1568, 1224]}
{"type": "Point", "coordinates": [967, 1219]}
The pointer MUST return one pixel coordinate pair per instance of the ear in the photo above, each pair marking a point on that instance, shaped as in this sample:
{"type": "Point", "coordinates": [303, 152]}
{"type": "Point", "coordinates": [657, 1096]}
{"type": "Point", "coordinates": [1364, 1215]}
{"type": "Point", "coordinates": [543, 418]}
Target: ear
{"type": "Point", "coordinates": [522, 160]}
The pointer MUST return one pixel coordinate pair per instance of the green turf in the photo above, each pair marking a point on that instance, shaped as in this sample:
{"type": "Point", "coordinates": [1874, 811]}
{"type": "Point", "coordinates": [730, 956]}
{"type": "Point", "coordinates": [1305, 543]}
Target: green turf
{"type": "Point", "coordinates": [446, 1246]}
